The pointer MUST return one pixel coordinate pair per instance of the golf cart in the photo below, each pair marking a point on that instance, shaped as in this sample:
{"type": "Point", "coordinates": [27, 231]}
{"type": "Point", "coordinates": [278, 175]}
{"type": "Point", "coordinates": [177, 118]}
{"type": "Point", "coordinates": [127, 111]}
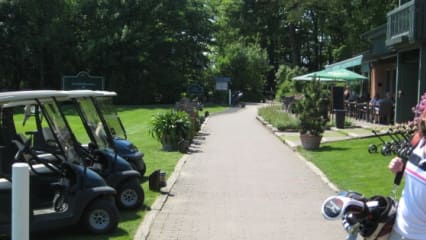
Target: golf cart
{"type": "Point", "coordinates": [115, 170]}
{"type": "Point", "coordinates": [114, 128]}
{"type": "Point", "coordinates": [62, 193]}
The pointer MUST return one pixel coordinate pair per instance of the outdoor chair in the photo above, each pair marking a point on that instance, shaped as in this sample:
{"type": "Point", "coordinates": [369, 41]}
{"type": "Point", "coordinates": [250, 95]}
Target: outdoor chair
{"type": "Point", "coordinates": [361, 110]}
{"type": "Point", "coordinates": [352, 109]}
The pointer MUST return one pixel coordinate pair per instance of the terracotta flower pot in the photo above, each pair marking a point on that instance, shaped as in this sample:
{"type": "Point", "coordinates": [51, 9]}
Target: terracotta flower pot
{"type": "Point", "coordinates": [310, 142]}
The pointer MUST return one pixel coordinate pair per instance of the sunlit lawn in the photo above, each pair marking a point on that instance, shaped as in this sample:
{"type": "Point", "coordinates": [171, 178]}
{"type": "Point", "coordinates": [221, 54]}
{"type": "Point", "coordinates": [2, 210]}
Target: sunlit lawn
{"type": "Point", "coordinates": [349, 166]}
{"type": "Point", "coordinates": [136, 120]}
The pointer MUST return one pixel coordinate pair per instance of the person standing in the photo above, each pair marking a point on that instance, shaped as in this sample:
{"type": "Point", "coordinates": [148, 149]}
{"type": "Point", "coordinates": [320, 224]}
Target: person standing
{"type": "Point", "coordinates": [410, 223]}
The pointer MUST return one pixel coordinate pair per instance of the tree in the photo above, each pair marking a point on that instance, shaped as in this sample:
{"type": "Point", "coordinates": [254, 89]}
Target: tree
{"type": "Point", "coordinates": [246, 66]}
{"type": "Point", "coordinates": [284, 81]}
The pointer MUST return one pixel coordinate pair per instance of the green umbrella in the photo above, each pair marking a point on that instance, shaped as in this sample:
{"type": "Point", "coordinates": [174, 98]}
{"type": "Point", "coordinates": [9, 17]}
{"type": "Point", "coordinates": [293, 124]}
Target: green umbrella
{"type": "Point", "coordinates": [331, 75]}
{"type": "Point", "coordinates": [310, 76]}
{"type": "Point", "coordinates": [341, 74]}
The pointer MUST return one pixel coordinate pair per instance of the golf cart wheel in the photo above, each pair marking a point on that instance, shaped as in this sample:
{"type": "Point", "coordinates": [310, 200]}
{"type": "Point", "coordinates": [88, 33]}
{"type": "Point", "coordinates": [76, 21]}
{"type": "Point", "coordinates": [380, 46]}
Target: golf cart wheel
{"type": "Point", "coordinates": [130, 195]}
{"type": "Point", "coordinates": [101, 216]}
{"type": "Point", "coordinates": [372, 148]}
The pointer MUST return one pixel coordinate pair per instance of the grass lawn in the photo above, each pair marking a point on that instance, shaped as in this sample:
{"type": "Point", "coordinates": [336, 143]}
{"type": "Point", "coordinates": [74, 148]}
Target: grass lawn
{"type": "Point", "coordinates": [136, 120]}
{"type": "Point", "coordinates": [350, 167]}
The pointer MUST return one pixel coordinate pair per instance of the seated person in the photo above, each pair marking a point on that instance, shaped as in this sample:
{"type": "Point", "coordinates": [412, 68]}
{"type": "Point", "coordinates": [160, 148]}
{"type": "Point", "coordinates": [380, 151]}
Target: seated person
{"type": "Point", "coordinates": [384, 108]}
{"type": "Point", "coordinates": [388, 98]}
{"type": "Point", "coordinates": [346, 94]}
{"type": "Point", "coordinates": [375, 101]}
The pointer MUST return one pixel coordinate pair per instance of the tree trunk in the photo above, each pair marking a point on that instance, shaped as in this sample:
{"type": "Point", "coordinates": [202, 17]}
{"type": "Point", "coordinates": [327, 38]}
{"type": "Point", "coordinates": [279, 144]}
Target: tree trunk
{"type": "Point", "coordinates": [295, 49]}
{"type": "Point", "coordinates": [316, 40]}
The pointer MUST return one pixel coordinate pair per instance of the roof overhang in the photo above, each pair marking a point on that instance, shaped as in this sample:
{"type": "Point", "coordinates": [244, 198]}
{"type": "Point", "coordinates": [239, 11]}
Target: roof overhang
{"type": "Point", "coordinates": [347, 63]}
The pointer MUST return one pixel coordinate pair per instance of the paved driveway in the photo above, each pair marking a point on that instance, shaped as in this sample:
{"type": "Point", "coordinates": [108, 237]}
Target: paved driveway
{"type": "Point", "coordinates": [243, 183]}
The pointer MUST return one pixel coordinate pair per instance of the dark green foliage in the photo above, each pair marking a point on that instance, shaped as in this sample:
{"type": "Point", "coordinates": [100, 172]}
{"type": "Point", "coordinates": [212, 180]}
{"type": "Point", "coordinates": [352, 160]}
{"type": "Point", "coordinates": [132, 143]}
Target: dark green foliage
{"type": "Point", "coordinates": [284, 80]}
{"type": "Point", "coordinates": [145, 49]}
{"type": "Point", "coordinates": [246, 66]}
{"type": "Point", "coordinates": [152, 50]}
{"type": "Point", "coordinates": [312, 110]}
{"type": "Point", "coordinates": [171, 127]}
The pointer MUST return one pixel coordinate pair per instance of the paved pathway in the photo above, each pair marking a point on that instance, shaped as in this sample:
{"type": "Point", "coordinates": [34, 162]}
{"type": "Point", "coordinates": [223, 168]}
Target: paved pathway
{"type": "Point", "coordinates": [244, 183]}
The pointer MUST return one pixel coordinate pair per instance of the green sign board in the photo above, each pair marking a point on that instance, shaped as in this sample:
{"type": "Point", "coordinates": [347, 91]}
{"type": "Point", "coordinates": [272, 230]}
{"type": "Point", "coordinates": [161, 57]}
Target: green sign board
{"type": "Point", "coordinates": [83, 80]}
{"type": "Point", "coordinates": [196, 90]}
{"type": "Point", "coordinates": [222, 83]}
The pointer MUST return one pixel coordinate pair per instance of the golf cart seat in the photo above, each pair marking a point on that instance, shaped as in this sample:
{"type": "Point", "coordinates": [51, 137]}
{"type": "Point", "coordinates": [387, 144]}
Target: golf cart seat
{"type": "Point", "coordinates": [5, 185]}
{"type": "Point", "coordinates": [44, 139]}
{"type": "Point", "coordinates": [7, 158]}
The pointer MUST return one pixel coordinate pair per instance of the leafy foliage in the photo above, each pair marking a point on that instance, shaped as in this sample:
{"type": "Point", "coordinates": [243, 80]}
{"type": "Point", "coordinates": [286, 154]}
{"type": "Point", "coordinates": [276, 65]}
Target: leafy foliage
{"type": "Point", "coordinates": [312, 110]}
{"type": "Point", "coordinates": [284, 79]}
{"type": "Point", "coordinates": [143, 48]}
{"type": "Point", "coordinates": [151, 50]}
{"type": "Point", "coordinates": [170, 127]}
{"type": "Point", "coordinates": [246, 66]}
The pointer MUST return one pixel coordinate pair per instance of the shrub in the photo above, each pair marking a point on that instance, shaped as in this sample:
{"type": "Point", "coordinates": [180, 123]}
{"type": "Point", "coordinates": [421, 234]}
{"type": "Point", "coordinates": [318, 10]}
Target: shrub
{"type": "Point", "coordinates": [171, 127]}
{"type": "Point", "coordinates": [312, 109]}
{"type": "Point", "coordinates": [278, 118]}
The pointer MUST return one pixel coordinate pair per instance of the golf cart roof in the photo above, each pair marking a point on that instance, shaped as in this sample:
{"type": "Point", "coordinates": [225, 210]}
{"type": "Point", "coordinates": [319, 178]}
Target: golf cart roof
{"type": "Point", "coordinates": [89, 93]}
{"type": "Point", "coordinates": [82, 93]}
{"type": "Point", "coordinates": [16, 98]}
{"type": "Point", "coordinates": [107, 93]}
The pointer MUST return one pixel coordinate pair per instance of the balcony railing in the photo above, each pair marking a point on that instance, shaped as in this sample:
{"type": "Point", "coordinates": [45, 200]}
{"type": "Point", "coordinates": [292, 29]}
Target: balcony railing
{"type": "Point", "coordinates": [400, 24]}
{"type": "Point", "coordinates": [405, 23]}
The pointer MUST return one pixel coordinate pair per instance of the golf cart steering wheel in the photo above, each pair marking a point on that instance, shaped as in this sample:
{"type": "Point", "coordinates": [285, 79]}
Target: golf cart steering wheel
{"type": "Point", "coordinates": [89, 155]}
{"type": "Point", "coordinates": [25, 148]}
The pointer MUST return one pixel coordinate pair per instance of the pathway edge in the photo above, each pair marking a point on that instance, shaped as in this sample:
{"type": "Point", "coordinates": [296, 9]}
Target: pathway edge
{"type": "Point", "coordinates": [144, 227]}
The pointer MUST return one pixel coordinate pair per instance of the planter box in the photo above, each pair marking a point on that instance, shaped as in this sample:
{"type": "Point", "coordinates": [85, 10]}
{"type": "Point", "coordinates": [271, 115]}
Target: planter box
{"type": "Point", "coordinates": [310, 142]}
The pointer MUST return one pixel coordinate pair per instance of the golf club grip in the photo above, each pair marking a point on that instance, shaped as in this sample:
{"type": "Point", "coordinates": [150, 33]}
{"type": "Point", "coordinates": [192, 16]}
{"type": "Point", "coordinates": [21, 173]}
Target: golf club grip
{"type": "Point", "coordinates": [398, 178]}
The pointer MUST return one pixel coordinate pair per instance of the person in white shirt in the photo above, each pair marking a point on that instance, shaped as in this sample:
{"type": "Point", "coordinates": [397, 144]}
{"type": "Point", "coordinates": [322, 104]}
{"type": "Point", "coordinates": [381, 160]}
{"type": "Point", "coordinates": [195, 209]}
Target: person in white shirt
{"type": "Point", "coordinates": [410, 221]}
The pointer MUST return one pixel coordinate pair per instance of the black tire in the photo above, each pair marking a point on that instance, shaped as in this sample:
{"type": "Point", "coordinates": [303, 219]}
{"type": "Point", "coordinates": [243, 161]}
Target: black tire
{"type": "Point", "coordinates": [386, 151]}
{"type": "Point", "coordinates": [101, 216]}
{"type": "Point", "coordinates": [372, 148]}
{"type": "Point", "coordinates": [130, 195]}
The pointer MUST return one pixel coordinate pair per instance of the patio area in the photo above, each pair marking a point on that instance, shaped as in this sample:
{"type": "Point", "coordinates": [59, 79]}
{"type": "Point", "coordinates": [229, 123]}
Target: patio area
{"type": "Point", "coordinates": [361, 129]}
{"type": "Point", "coordinates": [363, 111]}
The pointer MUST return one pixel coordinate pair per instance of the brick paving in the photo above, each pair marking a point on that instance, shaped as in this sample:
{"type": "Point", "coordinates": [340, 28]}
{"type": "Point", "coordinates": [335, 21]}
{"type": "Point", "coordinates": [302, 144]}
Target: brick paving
{"type": "Point", "coordinates": [242, 183]}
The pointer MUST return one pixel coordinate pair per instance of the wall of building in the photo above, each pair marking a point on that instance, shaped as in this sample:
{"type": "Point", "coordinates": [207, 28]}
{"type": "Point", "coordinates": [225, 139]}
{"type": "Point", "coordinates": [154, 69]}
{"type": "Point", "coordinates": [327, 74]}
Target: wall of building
{"type": "Point", "coordinates": [383, 77]}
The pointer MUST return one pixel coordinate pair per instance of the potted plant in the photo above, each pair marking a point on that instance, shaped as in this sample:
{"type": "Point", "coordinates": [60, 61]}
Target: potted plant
{"type": "Point", "coordinates": [170, 128]}
{"type": "Point", "coordinates": [312, 111]}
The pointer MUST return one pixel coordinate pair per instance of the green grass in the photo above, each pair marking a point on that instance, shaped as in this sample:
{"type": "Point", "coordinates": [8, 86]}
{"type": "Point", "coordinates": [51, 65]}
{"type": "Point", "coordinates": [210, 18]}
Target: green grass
{"type": "Point", "coordinates": [350, 167]}
{"type": "Point", "coordinates": [278, 118]}
{"type": "Point", "coordinates": [136, 120]}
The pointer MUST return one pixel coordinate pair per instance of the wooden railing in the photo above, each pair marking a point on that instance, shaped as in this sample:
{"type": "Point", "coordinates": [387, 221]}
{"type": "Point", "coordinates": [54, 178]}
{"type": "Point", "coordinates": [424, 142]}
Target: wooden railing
{"type": "Point", "coordinates": [401, 23]}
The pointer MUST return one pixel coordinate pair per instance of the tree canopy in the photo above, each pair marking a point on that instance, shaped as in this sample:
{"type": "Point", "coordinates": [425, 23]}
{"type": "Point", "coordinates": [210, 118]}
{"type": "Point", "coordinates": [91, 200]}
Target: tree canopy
{"type": "Point", "coordinates": [154, 49]}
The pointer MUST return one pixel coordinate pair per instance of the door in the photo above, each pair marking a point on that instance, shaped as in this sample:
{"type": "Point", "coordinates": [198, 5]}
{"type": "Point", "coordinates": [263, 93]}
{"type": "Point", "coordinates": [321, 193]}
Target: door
{"type": "Point", "coordinates": [406, 92]}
